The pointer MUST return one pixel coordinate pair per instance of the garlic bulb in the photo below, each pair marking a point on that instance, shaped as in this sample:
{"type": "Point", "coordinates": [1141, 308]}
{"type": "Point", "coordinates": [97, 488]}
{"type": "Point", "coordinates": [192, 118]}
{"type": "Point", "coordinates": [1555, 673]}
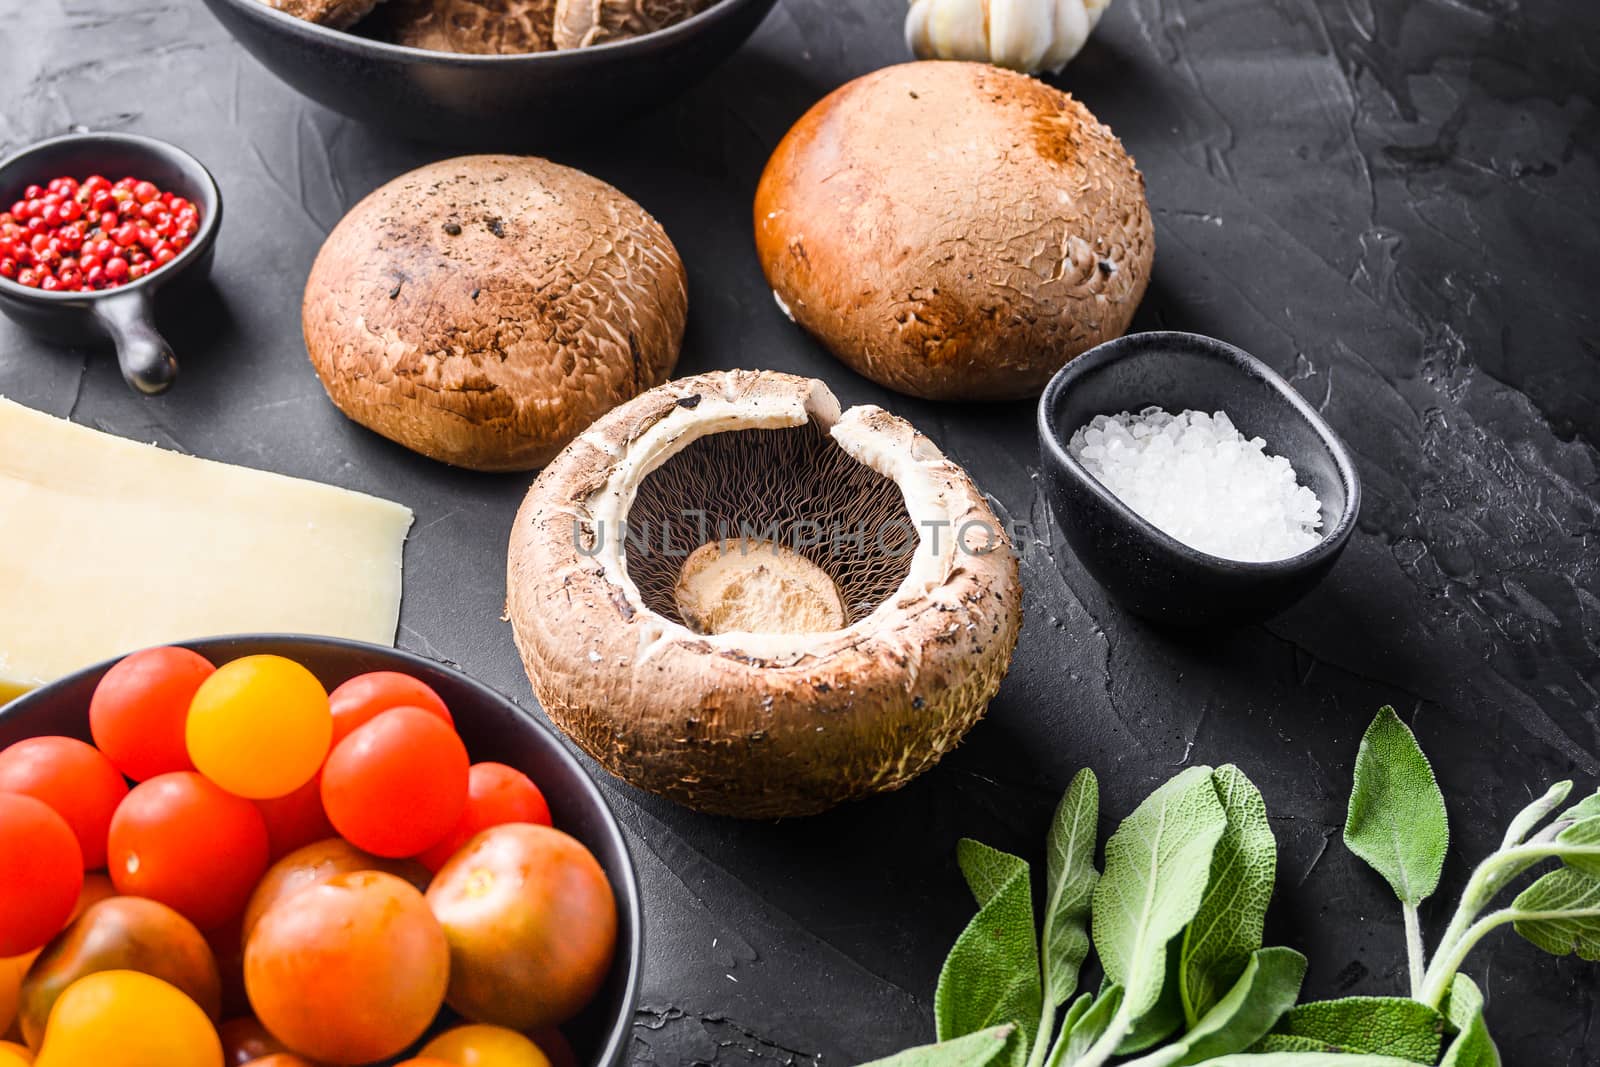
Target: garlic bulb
{"type": "Point", "coordinates": [1026, 35]}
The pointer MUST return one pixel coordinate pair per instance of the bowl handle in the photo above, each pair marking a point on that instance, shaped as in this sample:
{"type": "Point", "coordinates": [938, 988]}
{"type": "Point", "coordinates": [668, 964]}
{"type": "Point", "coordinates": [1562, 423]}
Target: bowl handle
{"type": "Point", "coordinates": [146, 359]}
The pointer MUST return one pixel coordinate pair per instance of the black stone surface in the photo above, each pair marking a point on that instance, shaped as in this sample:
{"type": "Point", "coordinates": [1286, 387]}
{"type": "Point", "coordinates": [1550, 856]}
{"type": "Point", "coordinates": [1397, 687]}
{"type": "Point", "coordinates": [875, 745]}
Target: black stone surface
{"type": "Point", "coordinates": [1392, 202]}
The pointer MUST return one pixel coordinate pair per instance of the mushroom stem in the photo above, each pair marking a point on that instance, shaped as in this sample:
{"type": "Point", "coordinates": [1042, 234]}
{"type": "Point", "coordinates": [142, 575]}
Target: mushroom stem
{"type": "Point", "coordinates": [744, 585]}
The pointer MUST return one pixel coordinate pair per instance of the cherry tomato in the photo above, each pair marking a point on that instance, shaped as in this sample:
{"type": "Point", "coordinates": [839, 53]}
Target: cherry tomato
{"type": "Point", "coordinates": [128, 1019]}
{"type": "Point", "coordinates": [282, 1059]}
{"type": "Point", "coordinates": [180, 839]}
{"type": "Point", "coordinates": [415, 1061]}
{"type": "Point", "coordinates": [138, 710]}
{"type": "Point", "coordinates": [296, 820]}
{"type": "Point", "coordinates": [359, 700]}
{"type": "Point", "coordinates": [349, 971]}
{"type": "Point", "coordinates": [532, 924]}
{"type": "Point", "coordinates": [496, 794]}
{"type": "Point", "coordinates": [555, 1046]}
{"type": "Point", "coordinates": [397, 785]}
{"type": "Point", "coordinates": [485, 1046]}
{"type": "Point", "coordinates": [73, 778]}
{"type": "Point", "coordinates": [260, 727]}
{"type": "Point", "coordinates": [121, 934]}
{"type": "Point", "coordinates": [14, 1055]}
{"type": "Point", "coordinates": [42, 873]}
{"type": "Point", "coordinates": [317, 864]}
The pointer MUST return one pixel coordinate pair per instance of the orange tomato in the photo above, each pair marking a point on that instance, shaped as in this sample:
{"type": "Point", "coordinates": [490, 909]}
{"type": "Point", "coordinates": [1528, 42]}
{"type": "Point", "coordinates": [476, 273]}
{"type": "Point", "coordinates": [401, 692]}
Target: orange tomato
{"type": "Point", "coordinates": [122, 933]}
{"type": "Point", "coordinates": [259, 727]}
{"type": "Point", "coordinates": [485, 1046]}
{"type": "Point", "coordinates": [318, 863]}
{"type": "Point", "coordinates": [349, 971]}
{"type": "Point", "coordinates": [128, 1019]}
{"type": "Point", "coordinates": [15, 1055]}
{"type": "Point", "coordinates": [532, 924]}
{"type": "Point", "coordinates": [281, 1059]}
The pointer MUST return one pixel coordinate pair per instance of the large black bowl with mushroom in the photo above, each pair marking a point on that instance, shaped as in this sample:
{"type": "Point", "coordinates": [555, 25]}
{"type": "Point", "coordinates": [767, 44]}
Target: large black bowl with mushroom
{"type": "Point", "coordinates": [507, 73]}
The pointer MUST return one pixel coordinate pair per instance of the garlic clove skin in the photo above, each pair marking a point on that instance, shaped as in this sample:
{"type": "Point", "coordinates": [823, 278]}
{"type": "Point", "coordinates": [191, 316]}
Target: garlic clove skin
{"type": "Point", "coordinates": [1024, 35]}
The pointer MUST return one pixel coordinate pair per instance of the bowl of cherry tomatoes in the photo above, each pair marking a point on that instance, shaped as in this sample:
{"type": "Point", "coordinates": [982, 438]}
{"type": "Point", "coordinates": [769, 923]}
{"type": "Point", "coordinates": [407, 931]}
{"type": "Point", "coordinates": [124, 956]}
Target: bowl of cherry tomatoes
{"type": "Point", "coordinates": [301, 851]}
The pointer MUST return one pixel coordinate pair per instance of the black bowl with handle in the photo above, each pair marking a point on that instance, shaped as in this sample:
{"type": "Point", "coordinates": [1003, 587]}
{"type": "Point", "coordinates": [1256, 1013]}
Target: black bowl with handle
{"type": "Point", "coordinates": [505, 101]}
{"type": "Point", "coordinates": [123, 317]}
{"type": "Point", "coordinates": [492, 727]}
{"type": "Point", "coordinates": [1152, 573]}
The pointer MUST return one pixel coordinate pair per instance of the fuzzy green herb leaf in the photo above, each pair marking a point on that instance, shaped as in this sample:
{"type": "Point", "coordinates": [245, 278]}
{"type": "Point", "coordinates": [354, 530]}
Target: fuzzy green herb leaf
{"type": "Point", "coordinates": [1587, 808]}
{"type": "Point", "coordinates": [1071, 879]}
{"type": "Point", "coordinates": [1304, 1059]}
{"type": "Point", "coordinates": [1265, 990]}
{"type": "Point", "coordinates": [991, 976]}
{"type": "Point", "coordinates": [1534, 814]}
{"type": "Point", "coordinates": [1579, 845]}
{"type": "Point", "coordinates": [973, 1050]}
{"type": "Point", "coordinates": [1157, 865]}
{"type": "Point", "coordinates": [1393, 1026]}
{"type": "Point", "coordinates": [1561, 913]}
{"type": "Point", "coordinates": [1218, 944]}
{"type": "Point", "coordinates": [1397, 821]}
{"type": "Point", "coordinates": [1079, 1034]}
{"type": "Point", "coordinates": [1165, 1018]}
{"type": "Point", "coordinates": [1472, 1047]}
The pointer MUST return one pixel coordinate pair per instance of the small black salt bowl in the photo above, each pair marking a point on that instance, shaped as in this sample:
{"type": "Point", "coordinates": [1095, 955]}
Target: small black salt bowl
{"type": "Point", "coordinates": [123, 317]}
{"type": "Point", "coordinates": [492, 727]}
{"type": "Point", "coordinates": [1151, 573]}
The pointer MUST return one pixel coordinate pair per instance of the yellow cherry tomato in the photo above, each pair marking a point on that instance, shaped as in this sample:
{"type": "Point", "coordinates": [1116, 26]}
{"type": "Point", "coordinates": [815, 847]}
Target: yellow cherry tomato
{"type": "Point", "coordinates": [259, 727]}
{"type": "Point", "coordinates": [128, 1019]}
{"type": "Point", "coordinates": [15, 1055]}
{"type": "Point", "coordinates": [485, 1046]}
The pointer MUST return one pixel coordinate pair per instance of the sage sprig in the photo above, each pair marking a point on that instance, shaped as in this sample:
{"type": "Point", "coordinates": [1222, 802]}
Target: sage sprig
{"type": "Point", "coordinates": [1175, 921]}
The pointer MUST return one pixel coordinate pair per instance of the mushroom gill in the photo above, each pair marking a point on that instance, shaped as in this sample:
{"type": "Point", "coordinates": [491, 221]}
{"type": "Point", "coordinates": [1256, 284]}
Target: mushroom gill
{"type": "Point", "coordinates": [767, 530]}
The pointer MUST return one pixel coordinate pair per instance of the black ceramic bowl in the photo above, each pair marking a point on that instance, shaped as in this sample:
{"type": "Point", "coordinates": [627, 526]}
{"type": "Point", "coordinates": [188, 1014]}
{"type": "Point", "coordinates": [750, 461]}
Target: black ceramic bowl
{"type": "Point", "coordinates": [124, 316]}
{"type": "Point", "coordinates": [493, 729]}
{"type": "Point", "coordinates": [505, 101]}
{"type": "Point", "coordinates": [1151, 573]}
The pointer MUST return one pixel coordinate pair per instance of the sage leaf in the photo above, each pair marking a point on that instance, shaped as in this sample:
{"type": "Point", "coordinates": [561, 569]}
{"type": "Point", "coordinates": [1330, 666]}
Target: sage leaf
{"type": "Point", "coordinates": [1393, 1026]}
{"type": "Point", "coordinates": [1587, 808]}
{"type": "Point", "coordinates": [1071, 879]}
{"type": "Point", "coordinates": [1534, 814]}
{"type": "Point", "coordinates": [1165, 1018]}
{"type": "Point", "coordinates": [1397, 821]}
{"type": "Point", "coordinates": [1463, 1003]}
{"type": "Point", "coordinates": [1561, 913]}
{"type": "Point", "coordinates": [973, 1050]}
{"type": "Point", "coordinates": [1268, 987]}
{"type": "Point", "coordinates": [1304, 1059]}
{"type": "Point", "coordinates": [1078, 1037]}
{"type": "Point", "coordinates": [991, 976]}
{"type": "Point", "coordinates": [1580, 845]}
{"type": "Point", "coordinates": [1227, 928]}
{"type": "Point", "coordinates": [1157, 864]}
{"type": "Point", "coordinates": [1472, 1047]}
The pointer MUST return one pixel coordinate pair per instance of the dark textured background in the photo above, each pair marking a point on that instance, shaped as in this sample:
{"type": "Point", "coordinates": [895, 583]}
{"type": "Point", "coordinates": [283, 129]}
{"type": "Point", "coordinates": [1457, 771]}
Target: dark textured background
{"type": "Point", "coordinates": [1393, 202]}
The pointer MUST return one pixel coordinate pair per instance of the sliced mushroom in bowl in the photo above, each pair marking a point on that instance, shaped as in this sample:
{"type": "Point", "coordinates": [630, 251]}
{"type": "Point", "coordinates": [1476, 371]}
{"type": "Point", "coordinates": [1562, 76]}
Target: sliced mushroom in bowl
{"type": "Point", "coordinates": [732, 593]}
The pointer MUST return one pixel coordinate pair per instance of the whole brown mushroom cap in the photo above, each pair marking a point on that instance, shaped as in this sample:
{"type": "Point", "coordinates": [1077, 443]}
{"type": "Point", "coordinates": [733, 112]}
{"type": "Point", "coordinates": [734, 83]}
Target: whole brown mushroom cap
{"type": "Point", "coordinates": [757, 725]}
{"type": "Point", "coordinates": [483, 310]}
{"type": "Point", "coordinates": [953, 230]}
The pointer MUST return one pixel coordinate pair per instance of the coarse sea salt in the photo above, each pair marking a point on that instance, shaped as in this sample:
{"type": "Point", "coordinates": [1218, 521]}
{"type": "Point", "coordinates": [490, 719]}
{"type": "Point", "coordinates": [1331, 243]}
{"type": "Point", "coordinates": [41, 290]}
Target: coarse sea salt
{"type": "Point", "coordinates": [1199, 479]}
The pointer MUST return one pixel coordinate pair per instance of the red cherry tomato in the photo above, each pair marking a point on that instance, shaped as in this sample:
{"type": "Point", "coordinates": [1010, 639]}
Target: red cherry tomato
{"type": "Point", "coordinates": [359, 700]}
{"type": "Point", "coordinates": [297, 819]}
{"type": "Point", "coordinates": [138, 710]}
{"type": "Point", "coordinates": [73, 778]}
{"type": "Point", "coordinates": [397, 785]}
{"type": "Point", "coordinates": [496, 794]}
{"type": "Point", "coordinates": [43, 872]}
{"type": "Point", "coordinates": [182, 840]}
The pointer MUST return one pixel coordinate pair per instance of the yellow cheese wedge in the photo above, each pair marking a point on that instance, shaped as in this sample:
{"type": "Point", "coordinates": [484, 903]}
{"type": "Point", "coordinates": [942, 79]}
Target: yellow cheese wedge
{"type": "Point", "coordinates": [107, 545]}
